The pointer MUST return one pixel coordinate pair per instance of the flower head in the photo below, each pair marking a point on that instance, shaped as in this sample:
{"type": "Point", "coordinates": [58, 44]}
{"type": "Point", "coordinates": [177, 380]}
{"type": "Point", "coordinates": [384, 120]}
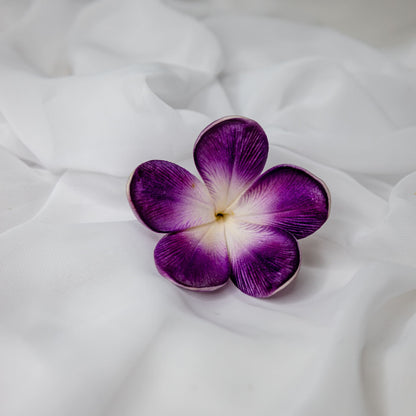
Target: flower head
{"type": "Point", "coordinates": [237, 223]}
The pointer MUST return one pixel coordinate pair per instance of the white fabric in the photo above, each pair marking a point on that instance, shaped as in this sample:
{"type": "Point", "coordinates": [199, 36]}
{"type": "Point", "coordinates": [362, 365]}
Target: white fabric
{"type": "Point", "coordinates": [89, 90]}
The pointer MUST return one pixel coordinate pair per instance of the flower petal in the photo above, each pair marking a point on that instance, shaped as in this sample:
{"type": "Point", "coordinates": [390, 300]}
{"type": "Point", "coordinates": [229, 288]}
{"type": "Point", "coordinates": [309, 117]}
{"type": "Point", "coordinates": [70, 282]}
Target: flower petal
{"type": "Point", "coordinates": [286, 197]}
{"type": "Point", "coordinates": [229, 154]}
{"type": "Point", "coordinates": [263, 259]}
{"type": "Point", "coordinates": [196, 258]}
{"type": "Point", "coordinates": [166, 197]}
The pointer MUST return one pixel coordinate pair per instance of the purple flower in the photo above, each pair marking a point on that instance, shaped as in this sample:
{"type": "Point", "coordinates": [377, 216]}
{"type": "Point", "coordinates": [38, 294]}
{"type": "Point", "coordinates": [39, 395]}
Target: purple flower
{"type": "Point", "coordinates": [237, 224]}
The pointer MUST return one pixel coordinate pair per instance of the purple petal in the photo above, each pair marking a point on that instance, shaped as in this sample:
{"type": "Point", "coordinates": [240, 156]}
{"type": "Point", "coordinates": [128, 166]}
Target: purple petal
{"type": "Point", "coordinates": [286, 197]}
{"type": "Point", "coordinates": [166, 197]}
{"type": "Point", "coordinates": [229, 154]}
{"type": "Point", "coordinates": [196, 258]}
{"type": "Point", "coordinates": [263, 259]}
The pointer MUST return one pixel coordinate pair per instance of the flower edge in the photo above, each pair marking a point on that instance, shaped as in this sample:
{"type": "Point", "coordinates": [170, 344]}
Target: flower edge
{"type": "Point", "coordinates": [220, 120]}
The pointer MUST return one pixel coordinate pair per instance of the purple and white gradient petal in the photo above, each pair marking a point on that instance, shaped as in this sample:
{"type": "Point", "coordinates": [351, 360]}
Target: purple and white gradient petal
{"type": "Point", "coordinates": [229, 155]}
{"type": "Point", "coordinates": [286, 197]}
{"type": "Point", "coordinates": [166, 197]}
{"type": "Point", "coordinates": [196, 258]}
{"type": "Point", "coordinates": [263, 259]}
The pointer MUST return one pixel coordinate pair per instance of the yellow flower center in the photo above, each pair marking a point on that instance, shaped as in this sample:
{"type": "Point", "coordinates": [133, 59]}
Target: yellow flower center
{"type": "Point", "coordinates": [222, 216]}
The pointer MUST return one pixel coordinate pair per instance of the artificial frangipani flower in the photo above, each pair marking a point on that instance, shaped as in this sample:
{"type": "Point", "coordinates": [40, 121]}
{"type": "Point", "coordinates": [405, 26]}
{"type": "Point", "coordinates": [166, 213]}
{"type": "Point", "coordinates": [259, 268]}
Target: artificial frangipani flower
{"type": "Point", "coordinates": [238, 224]}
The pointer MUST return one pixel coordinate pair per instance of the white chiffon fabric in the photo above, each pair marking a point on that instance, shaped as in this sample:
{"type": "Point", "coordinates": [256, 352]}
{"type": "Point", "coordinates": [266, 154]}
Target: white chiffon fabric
{"type": "Point", "coordinates": [91, 89]}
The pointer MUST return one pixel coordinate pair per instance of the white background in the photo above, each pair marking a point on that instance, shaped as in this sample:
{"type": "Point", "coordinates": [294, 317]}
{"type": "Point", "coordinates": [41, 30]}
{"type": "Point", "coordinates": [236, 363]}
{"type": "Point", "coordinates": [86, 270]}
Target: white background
{"type": "Point", "coordinates": [91, 89]}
